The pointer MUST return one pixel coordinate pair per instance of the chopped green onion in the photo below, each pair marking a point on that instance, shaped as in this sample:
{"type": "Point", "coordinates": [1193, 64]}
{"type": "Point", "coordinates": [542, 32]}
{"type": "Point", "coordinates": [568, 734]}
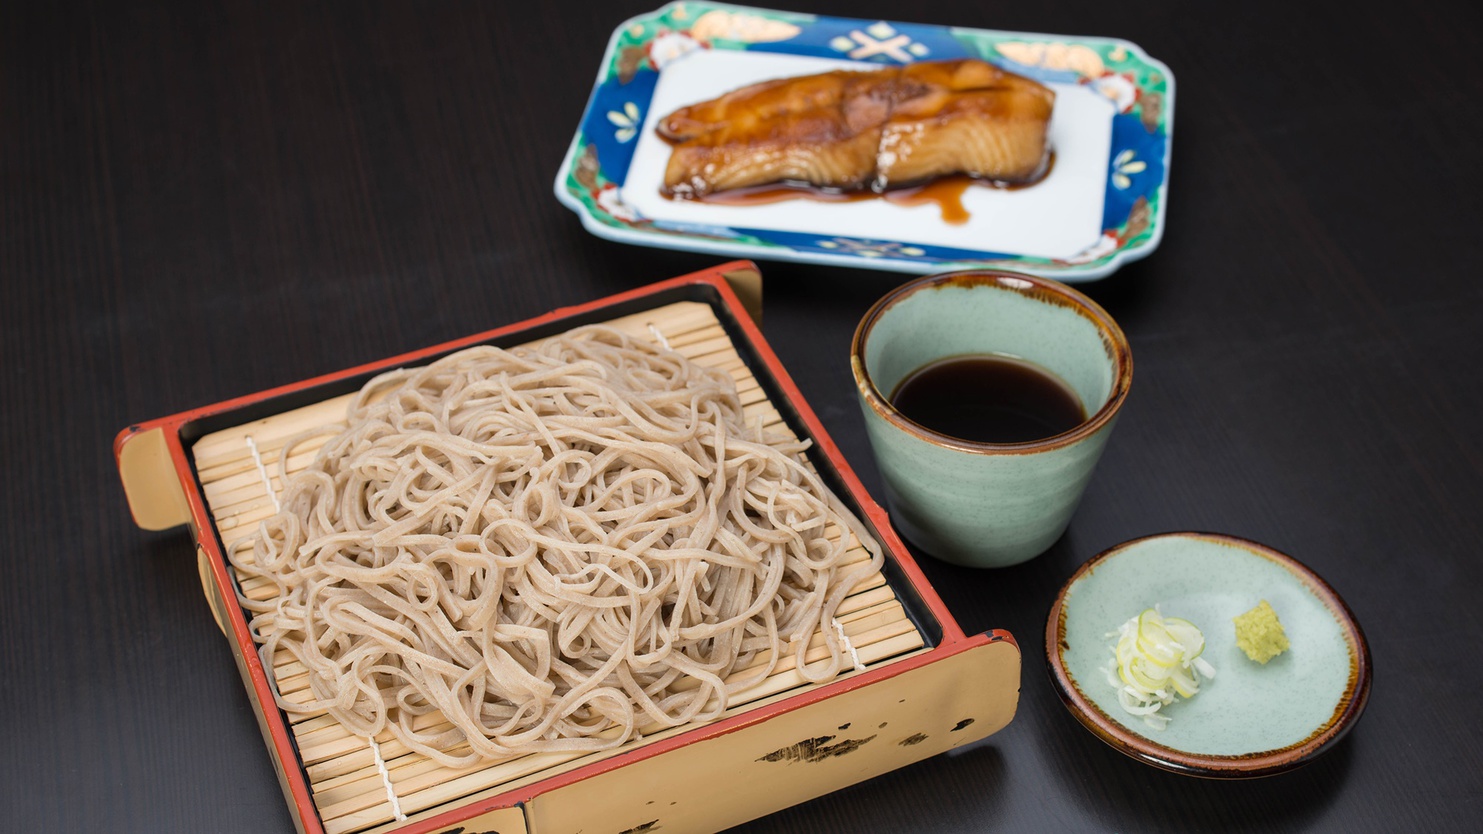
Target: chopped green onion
{"type": "Point", "coordinates": [1155, 661]}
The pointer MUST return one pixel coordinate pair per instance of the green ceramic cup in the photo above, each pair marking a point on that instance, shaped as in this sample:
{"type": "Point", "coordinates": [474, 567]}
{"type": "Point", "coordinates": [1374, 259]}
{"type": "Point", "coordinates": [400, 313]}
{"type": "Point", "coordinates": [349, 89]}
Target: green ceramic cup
{"type": "Point", "coordinates": [987, 504]}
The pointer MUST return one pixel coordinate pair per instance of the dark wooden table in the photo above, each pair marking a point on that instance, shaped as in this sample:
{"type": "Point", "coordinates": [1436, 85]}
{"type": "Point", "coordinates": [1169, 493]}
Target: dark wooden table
{"type": "Point", "coordinates": [206, 200]}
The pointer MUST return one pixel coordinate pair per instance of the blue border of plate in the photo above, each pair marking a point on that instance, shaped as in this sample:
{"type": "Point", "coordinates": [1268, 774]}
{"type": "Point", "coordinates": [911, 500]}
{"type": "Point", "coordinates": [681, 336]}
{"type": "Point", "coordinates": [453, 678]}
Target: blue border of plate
{"type": "Point", "coordinates": [1137, 170]}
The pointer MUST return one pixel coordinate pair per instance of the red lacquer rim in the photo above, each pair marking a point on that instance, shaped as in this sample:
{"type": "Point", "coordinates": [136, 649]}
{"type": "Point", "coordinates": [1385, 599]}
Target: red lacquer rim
{"type": "Point", "coordinates": [953, 641]}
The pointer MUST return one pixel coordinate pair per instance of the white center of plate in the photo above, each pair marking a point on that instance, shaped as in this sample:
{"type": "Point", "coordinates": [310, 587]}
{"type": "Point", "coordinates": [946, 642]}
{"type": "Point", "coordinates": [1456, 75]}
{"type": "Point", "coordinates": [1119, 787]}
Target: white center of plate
{"type": "Point", "coordinates": [1056, 218]}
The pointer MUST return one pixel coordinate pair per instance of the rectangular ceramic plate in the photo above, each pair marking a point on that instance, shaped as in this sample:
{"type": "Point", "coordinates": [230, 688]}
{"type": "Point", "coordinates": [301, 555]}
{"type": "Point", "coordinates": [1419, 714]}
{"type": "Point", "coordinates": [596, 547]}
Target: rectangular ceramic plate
{"type": "Point", "coordinates": [1101, 205]}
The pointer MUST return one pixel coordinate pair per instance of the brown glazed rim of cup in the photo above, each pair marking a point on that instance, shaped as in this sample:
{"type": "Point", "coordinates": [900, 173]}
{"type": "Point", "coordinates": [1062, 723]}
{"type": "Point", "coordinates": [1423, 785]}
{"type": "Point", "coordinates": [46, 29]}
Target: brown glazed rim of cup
{"type": "Point", "coordinates": [1040, 289]}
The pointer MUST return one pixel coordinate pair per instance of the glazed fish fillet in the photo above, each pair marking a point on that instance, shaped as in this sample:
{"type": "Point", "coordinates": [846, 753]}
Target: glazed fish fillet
{"type": "Point", "coordinates": [851, 130]}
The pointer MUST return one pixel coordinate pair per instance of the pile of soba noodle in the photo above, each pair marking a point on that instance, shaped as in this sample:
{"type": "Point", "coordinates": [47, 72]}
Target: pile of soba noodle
{"type": "Point", "coordinates": [548, 550]}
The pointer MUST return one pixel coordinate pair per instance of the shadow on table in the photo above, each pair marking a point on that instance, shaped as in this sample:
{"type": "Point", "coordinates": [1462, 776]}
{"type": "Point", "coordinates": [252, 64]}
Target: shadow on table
{"type": "Point", "coordinates": [1130, 795]}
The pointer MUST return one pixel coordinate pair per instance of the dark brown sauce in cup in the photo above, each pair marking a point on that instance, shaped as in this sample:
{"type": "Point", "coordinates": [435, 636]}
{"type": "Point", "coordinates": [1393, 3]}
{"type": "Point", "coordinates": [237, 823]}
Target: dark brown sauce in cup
{"type": "Point", "coordinates": [989, 398]}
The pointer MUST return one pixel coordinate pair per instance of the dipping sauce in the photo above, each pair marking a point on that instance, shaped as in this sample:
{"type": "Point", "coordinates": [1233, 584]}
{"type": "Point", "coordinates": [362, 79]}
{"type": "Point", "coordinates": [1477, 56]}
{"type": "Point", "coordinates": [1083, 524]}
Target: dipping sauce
{"type": "Point", "coordinates": [946, 193]}
{"type": "Point", "coordinates": [989, 398]}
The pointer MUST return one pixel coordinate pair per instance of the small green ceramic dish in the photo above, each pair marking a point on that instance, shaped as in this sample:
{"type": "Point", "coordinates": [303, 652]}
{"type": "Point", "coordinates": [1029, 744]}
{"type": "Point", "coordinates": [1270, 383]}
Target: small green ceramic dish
{"type": "Point", "coordinates": [1252, 719]}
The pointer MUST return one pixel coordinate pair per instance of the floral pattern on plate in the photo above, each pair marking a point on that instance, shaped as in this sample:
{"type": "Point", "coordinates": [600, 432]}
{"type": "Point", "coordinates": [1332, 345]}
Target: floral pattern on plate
{"type": "Point", "coordinates": [1139, 89]}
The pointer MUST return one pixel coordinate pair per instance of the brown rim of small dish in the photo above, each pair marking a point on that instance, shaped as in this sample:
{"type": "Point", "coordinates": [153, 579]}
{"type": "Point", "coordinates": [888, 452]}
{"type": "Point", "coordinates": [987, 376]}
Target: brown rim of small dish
{"type": "Point", "coordinates": [1043, 289]}
{"type": "Point", "coordinates": [1245, 766]}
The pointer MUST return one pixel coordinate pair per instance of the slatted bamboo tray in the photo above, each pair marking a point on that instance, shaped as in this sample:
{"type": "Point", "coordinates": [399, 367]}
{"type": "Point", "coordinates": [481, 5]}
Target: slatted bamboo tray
{"type": "Point", "coordinates": [235, 467]}
{"type": "Point", "coordinates": [340, 783]}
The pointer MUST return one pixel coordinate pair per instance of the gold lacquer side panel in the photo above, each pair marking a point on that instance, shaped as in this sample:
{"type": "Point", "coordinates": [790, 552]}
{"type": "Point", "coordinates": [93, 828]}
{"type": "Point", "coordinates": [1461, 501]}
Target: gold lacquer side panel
{"type": "Point", "coordinates": [156, 496]}
{"type": "Point", "coordinates": [746, 282]}
{"type": "Point", "coordinates": [798, 755]}
{"type": "Point", "coordinates": [499, 821]}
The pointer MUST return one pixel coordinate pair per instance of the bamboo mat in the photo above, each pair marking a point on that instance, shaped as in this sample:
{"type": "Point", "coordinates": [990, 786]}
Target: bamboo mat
{"type": "Point", "coordinates": [355, 782]}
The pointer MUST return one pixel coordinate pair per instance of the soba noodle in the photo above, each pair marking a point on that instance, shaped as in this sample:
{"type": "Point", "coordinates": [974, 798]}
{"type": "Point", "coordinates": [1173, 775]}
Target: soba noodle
{"type": "Point", "coordinates": [508, 552]}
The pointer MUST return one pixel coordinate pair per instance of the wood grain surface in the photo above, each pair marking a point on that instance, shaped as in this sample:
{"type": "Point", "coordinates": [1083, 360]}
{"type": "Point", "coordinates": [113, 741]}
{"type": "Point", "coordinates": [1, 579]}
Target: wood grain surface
{"type": "Point", "coordinates": [202, 200]}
